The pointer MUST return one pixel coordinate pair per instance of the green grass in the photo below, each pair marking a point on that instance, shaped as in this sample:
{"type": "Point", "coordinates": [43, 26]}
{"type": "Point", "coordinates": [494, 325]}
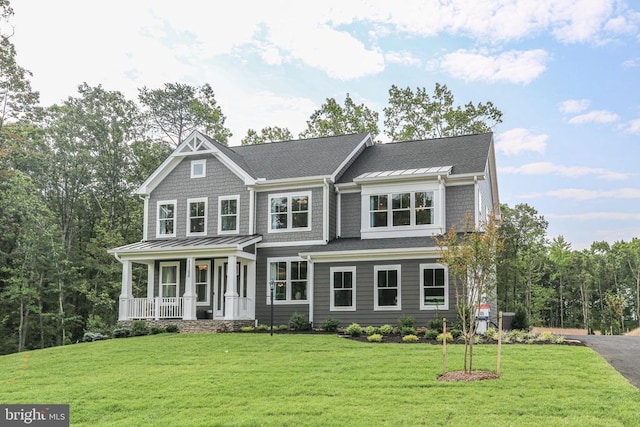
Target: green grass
{"type": "Point", "coordinates": [297, 380]}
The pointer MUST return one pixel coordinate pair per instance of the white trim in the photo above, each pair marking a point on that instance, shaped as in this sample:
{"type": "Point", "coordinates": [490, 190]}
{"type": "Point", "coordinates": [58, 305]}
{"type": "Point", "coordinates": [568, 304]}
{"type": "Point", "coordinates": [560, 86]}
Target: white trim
{"type": "Point", "coordinates": [434, 266]}
{"type": "Point", "coordinates": [289, 213]}
{"type": "Point", "coordinates": [349, 269]}
{"type": "Point", "coordinates": [252, 211]}
{"type": "Point", "coordinates": [199, 162]}
{"type": "Point", "coordinates": [235, 197]}
{"type": "Point", "coordinates": [287, 244]}
{"type": "Point", "coordinates": [366, 141]}
{"type": "Point", "coordinates": [175, 217]}
{"type": "Point", "coordinates": [290, 298]}
{"type": "Point", "coordinates": [325, 211]}
{"type": "Point", "coordinates": [208, 283]}
{"type": "Point", "coordinates": [398, 269]}
{"type": "Point", "coordinates": [373, 254]}
{"type": "Point", "coordinates": [145, 219]}
{"type": "Point", "coordinates": [204, 200]}
{"type": "Point", "coordinates": [262, 184]}
{"type": "Point", "coordinates": [177, 283]}
{"type": "Point", "coordinates": [338, 214]}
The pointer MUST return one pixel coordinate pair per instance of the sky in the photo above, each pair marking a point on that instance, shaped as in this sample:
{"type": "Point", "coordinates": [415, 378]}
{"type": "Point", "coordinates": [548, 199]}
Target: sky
{"type": "Point", "coordinates": [564, 73]}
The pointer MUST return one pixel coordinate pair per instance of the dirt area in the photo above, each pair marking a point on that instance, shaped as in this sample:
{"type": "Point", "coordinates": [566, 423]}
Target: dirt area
{"type": "Point", "coordinates": [634, 333]}
{"type": "Point", "coordinates": [562, 331]}
{"type": "Point", "coordinates": [466, 377]}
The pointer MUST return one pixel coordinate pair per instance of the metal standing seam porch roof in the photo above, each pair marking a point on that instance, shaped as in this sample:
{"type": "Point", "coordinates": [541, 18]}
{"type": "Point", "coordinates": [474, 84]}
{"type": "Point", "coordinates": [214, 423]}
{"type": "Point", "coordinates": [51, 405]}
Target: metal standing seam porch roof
{"type": "Point", "coordinates": [187, 244]}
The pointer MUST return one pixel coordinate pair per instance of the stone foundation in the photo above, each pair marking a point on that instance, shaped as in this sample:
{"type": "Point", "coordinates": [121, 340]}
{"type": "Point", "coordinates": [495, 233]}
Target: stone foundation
{"type": "Point", "coordinates": [196, 326]}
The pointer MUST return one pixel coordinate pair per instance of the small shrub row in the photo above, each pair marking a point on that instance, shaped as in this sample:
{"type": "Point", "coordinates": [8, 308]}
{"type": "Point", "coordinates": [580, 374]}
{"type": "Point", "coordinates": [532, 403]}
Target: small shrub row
{"type": "Point", "coordinates": [139, 328]}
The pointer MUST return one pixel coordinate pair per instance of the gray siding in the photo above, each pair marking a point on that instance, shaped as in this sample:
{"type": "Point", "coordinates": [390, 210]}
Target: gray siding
{"type": "Point", "coordinates": [281, 312]}
{"type": "Point", "coordinates": [365, 314]}
{"type": "Point", "coordinates": [262, 217]}
{"type": "Point", "coordinates": [179, 185]}
{"type": "Point", "coordinates": [350, 215]}
{"type": "Point", "coordinates": [460, 202]}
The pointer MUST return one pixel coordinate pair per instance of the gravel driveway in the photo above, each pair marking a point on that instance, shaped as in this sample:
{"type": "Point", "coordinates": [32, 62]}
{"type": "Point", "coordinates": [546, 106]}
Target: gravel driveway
{"type": "Point", "coordinates": [622, 352]}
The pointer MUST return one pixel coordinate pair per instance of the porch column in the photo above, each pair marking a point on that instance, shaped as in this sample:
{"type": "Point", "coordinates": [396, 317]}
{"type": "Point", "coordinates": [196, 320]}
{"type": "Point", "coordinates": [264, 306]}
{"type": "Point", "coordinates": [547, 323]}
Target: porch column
{"type": "Point", "coordinates": [151, 279]}
{"type": "Point", "coordinates": [189, 291]}
{"type": "Point", "coordinates": [127, 291]}
{"type": "Point", "coordinates": [231, 297]}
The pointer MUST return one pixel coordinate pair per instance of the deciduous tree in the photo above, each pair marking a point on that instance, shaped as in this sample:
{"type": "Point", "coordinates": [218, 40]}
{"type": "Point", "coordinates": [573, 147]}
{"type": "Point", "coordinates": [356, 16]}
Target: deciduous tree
{"type": "Point", "coordinates": [334, 119]}
{"type": "Point", "coordinates": [267, 134]}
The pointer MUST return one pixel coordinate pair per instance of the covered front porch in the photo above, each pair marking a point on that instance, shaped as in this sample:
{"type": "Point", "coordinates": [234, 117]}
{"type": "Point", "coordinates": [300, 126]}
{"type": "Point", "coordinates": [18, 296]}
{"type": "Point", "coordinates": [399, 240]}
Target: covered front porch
{"type": "Point", "coordinates": [190, 279]}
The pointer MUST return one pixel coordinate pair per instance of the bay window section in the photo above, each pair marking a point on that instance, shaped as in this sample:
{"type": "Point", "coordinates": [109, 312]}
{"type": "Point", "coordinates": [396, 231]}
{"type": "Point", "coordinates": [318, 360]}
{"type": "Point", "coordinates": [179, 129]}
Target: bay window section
{"type": "Point", "coordinates": [434, 287]}
{"type": "Point", "coordinates": [423, 202]}
{"type": "Point", "coordinates": [378, 210]}
{"type": "Point", "coordinates": [401, 208]}
{"type": "Point", "coordinates": [387, 295]}
{"type": "Point", "coordinates": [290, 212]}
{"type": "Point", "coordinates": [166, 219]}
{"type": "Point", "coordinates": [290, 279]}
{"type": "Point", "coordinates": [407, 209]}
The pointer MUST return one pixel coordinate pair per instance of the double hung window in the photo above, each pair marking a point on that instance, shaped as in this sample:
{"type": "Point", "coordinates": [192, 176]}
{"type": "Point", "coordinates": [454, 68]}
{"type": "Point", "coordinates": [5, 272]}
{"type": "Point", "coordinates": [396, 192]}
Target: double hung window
{"type": "Point", "coordinates": [290, 212]}
{"type": "Point", "coordinates": [434, 287]}
{"type": "Point", "coordinates": [290, 280]}
{"type": "Point", "coordinates": [166, 220]}
{"type": "Point", "coordinates": [343, 288]}
{"type": "Point", "coordinates": [387, 287]}
{"type": "Point", "coordinates": [197, 217]}
{"type": "Point", "coordinates": [228, 207]}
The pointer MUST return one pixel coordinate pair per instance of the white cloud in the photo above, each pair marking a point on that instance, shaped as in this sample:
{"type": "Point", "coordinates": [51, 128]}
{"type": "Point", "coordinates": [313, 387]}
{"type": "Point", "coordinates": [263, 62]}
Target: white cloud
{"type": "Point", "coordinates": [582, 194]}
{"type": "Point", "coordinates": [548, 168]}
{"type": "Point", "coordinates": [595, 116]}
{"type": "Point", "coordinates": [402, 57]}
{"type": "Point", "coordinates": [512, 66]}
{"type": "Point", "coordinates": [516, 141]}
{"type": "Point", "coordinates": [586, 216]}
{"type": "Point", "coordinates": [632, 126]}
{"type": "Point", "coordinates": [631, 63]}
{"type": "Point", "coordinates": [574, 105]}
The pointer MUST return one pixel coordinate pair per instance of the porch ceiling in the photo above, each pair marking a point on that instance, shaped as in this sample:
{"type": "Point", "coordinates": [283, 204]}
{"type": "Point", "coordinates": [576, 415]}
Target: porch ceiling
{"type": "Point", "coordinates": [194, 245]}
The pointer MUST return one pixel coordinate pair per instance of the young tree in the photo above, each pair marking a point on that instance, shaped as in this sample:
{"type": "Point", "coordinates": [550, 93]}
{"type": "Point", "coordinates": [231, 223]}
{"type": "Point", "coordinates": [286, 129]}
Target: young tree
{"type": "Point", "coordinates": [333, 119]}
{"type": "Point", "coordinates": [416, 115]}
{"type": "Point", "coordinates": [471, 257]}
{"type": "Point", "coordinates": [267, 134]}
{"type": "Point", "coordinates": [178, 109]}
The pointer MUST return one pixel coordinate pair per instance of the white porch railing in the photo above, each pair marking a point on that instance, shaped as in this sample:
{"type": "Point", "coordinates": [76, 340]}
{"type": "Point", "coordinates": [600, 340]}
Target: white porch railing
{"type": "Point", "coordinates": [156, 308]}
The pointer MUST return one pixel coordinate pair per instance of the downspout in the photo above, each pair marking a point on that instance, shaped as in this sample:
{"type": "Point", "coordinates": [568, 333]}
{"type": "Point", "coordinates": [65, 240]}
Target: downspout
{"type": "Point", "coordinates": [325, 211]}
{"type": "Point", "coordinates": [476, 214]}
{"type": "Point", "coordinates": [252, 207]}
{"type": "Point", "coordinates": [442, 207]}
{"type": "Point", "coordinates": [311, 275]}
{"type": "Point", "coordinates": [338, 213]}
{"type": "Point", "coordinates": [145, 217]}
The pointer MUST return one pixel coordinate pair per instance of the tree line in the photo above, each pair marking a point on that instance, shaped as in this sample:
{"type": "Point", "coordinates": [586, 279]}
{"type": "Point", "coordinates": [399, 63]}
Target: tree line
{"type": "Point", "coordinates": [68, 172]}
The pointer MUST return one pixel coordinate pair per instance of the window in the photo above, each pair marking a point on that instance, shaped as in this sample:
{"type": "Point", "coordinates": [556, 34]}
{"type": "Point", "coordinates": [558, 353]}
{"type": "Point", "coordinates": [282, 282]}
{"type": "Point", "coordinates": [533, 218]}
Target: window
{"type": "Point", "coordinates": [228, 207]}
{"type": "Point", "coordinates": [169, 274]}
{"type": "Point", "coordinates": [166, 219]}
{"type": "Point", "coordinates": [343, 288]}
{"type": "Point", "coordinates": [289, 212]}
{"type": "Point", "coordinates": [290, 277]}
{"type": "Point", "coordinates": [386, 280]}
{"type": "Point", "coordinates": [198, 168]}
{"type": "Point", "coordinates": [434, 287]}
{"type": "Point", "coordinates": [406, 209]}
{"type": "Point", "coordinates": [197, 217]}
{"type": "Point", "coordinates": [203, 276]}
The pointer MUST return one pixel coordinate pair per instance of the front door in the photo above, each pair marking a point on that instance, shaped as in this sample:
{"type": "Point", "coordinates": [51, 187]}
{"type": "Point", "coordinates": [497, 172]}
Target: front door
{"type": "Point", "coordinates": [220, 285]}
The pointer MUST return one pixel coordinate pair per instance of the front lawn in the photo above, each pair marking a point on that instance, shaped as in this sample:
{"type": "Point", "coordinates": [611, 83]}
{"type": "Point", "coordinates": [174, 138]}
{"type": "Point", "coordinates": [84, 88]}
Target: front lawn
{"type": "Point", "coordinates": [323, 380]}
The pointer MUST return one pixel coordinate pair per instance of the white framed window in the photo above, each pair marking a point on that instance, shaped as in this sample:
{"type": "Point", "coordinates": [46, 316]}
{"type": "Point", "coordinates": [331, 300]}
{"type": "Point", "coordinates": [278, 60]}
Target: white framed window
{"type": "Point", "coordinates": [290, 212]}
{"type": "Point", "coordinates": [197, 217]}
{"type": "Point", "coordinates": [169, 279]}
{"type": "Point", "coordinates": [166, 219]}
{"type": "Point", "coordinates": [434, 287]}
{"type": "Point", "coordinates": [343, 288]}
{"type": "Point", "coordinates": [290, 278]}
{"type": "Point", "coordinates": [203, 282]}
{"type": "Point", "coordinates": [198, 168]}
{"type": "Point", "coordinates": [228, 208]}
{"type": "Point", "coordinates": [387, 287]}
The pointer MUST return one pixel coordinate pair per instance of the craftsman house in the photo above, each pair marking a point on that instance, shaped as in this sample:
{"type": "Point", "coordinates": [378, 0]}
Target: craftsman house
{"type": "Point", "coordinates": [329, 227]}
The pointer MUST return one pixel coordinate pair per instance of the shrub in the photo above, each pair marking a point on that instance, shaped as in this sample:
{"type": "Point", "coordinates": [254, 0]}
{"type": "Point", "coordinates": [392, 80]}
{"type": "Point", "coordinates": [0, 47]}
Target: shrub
{"type": "Point", "coordinates": [121, 332]}
{"type": "Point", "coordinates": [93, 336]}
{"type": "Point", "coordinates": [406, 322]}
{"type": "Point", "coordinates": [456, 333]}
{"type": "Point", "coordinates": [410, 338]}
{"type": "Point", "coordinates": [155, 330]}
{"type": "Point", "coordinates": [370, 330]}
{"type": "Point", "coordinates": [281, 328]}
{"type": "Point", "coordinates": [172, 328]}
{"type": "Point", "coordinates": [374, 338]}
{"type": "Point", "coordinates": [96, 324]}
{"type": "Point", "coordinates": [139, 328]}
{"type": "Point", "coordinates": [449, 337]}
{"type": "Point", "coordinates": [386, 329]}
{"type": "Point", "coordinates": [330, 324]}
{"type": "Point", "coordinates": [247, 329]}
{"type": "Point", "coordinates": [491, 333]}
{"type": "Point", "coordinates": [546, 337]}
{"type": "Point", "coordinates": [299, 322]}
{"type": "Point", "coordinates": [407, 330]}
{"type": "Point", "coordinates": [435, 324]}
{"type": "Point", "coordinates": [263, 327]}
{"type": "Point", "coordinates": [516, 335]}
{"type": "Point", "coordinates": [430, 334]}
{"type": "Point", "coordinates": [354, 330]}
{"type": "Point", "coordinates": [559, 340]}
{"type": "Point", "coordinates": [520, 319]}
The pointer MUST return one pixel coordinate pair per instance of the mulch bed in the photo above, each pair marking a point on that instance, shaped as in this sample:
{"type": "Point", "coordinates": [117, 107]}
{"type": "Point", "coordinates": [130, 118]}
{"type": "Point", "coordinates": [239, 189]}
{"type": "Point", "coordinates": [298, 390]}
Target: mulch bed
{"type": "Point", "coordinates": [462, 376]}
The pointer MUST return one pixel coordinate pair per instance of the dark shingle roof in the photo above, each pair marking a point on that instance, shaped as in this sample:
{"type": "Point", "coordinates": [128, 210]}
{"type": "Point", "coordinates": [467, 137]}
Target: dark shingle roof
{"type": "Point", "coordinates": [467, 154]}
{"type": "Point", "coordinates": [297, 158]}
